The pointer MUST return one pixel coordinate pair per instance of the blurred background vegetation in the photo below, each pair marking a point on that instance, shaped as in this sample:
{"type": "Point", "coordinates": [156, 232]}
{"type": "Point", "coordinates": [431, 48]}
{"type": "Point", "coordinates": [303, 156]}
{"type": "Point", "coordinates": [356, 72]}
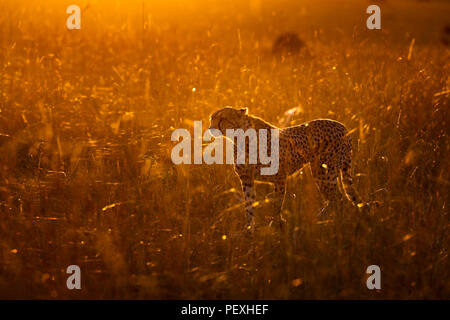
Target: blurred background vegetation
{"type": "Point", "coordinates": [85, 171]}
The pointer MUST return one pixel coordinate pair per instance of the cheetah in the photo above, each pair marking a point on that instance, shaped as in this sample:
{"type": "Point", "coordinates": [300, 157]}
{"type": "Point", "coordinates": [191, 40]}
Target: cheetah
{"type": "Point", "coordinates": [324, 144]}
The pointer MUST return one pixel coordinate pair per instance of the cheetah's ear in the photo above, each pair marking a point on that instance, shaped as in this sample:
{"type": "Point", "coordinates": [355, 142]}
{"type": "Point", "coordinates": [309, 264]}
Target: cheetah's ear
{"type": "Point", "coordinates": [244, 110]}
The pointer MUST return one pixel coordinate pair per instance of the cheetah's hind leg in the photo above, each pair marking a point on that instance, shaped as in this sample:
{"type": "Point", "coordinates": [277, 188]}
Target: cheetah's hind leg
{"type": "Point", "coordinates": [327, 182]}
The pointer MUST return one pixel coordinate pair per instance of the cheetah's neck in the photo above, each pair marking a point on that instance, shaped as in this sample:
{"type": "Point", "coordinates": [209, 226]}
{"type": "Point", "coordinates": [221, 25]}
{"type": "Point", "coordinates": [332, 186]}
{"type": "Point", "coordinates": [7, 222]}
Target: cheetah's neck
{"type": "Point", "coordinates": [257, 123]}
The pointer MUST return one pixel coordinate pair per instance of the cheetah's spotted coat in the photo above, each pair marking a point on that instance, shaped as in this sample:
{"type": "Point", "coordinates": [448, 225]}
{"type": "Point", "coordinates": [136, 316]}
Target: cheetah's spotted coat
{"type": "Point", "coordinates": [324, 144]}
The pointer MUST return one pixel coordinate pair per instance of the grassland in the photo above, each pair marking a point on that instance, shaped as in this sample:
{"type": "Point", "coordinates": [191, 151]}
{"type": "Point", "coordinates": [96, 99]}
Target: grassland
{"type": "Point", "coordinates": [85, 170]}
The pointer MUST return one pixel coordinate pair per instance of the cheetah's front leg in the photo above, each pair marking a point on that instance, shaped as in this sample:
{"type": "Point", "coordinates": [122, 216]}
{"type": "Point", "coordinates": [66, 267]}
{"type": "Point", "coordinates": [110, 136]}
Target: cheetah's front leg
{"type": "Point", "coordinates": [278, 200]}
{"type": "Point", "coordinates": [248, 189]}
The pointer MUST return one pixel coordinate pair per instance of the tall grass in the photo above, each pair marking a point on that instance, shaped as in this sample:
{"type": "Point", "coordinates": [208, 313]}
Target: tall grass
{"type": "Point", "coordinates": [85, 170]}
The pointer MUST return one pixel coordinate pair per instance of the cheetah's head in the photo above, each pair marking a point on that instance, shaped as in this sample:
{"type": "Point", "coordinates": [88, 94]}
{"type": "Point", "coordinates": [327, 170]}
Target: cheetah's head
{"type": "Point", "coordinates": [228, 118]}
